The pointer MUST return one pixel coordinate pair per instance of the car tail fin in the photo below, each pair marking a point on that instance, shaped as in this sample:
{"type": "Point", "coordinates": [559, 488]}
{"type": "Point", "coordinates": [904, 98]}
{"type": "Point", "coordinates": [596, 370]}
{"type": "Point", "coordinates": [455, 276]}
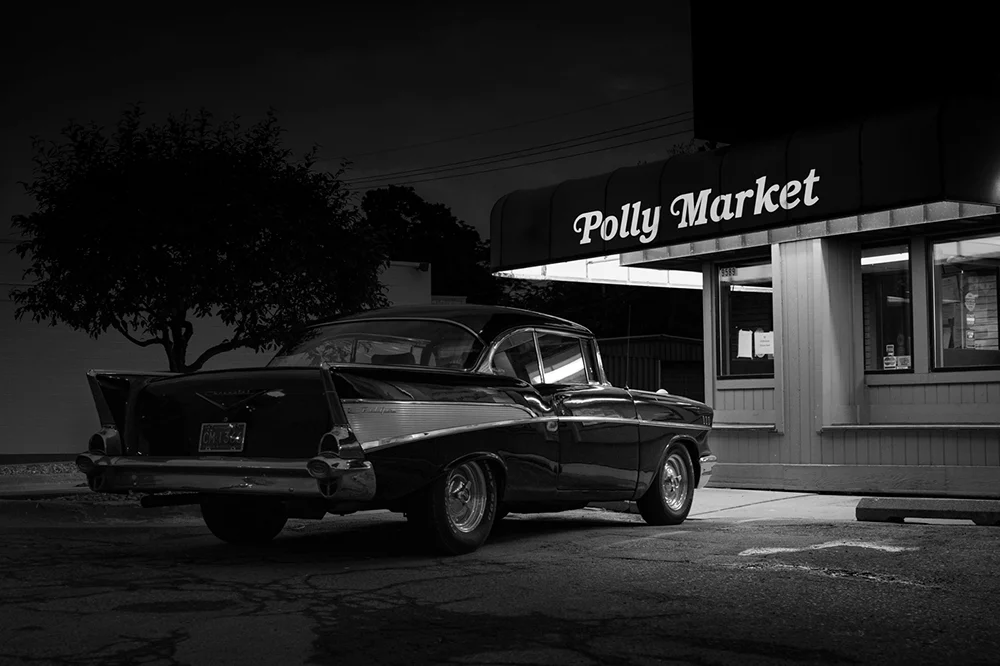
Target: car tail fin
{"type": "Point", "coordinates": [111, 390]}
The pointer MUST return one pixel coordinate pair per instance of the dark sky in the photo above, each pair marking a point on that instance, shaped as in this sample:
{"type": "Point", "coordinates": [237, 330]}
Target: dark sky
{"type": "Point", "coordinates": [360, 80]}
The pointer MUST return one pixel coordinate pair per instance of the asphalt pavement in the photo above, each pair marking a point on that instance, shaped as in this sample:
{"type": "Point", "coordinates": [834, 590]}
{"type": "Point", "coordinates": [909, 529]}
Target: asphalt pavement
{"type": "Point", "coordinates": [587, 588]}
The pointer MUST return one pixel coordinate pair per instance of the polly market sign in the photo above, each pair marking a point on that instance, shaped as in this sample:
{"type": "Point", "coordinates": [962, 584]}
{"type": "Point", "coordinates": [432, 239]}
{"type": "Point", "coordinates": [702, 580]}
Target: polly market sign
{"type": "Point", "coordinates": [691, 210]}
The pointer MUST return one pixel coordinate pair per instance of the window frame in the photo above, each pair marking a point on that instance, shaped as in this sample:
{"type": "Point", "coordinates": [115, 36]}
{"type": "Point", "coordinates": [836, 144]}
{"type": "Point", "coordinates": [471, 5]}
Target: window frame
{"type": "Point", "coordinates": [908, 242]}
{"type": "Point", "coordinates": [588, 381]}
{"type": "Point", "coordinates": [471, 363]}
{"type": "Point", "coordinates": [720, 351]}
{"type": "Point", "coordinates": [932, 312]}
{"type": "Point", "coordinates": [594, 375]}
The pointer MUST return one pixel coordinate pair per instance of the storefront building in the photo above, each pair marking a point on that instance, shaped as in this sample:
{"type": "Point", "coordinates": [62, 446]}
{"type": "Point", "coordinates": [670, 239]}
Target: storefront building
{"type": "Point", "coordinates": [849, 279]}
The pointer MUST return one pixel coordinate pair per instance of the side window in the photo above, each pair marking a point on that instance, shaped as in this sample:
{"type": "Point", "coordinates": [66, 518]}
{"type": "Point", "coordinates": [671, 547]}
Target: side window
{"type": "Point", "coordinates": [516, 357]}
{"type": "Point", "coordinates": [562, 359]}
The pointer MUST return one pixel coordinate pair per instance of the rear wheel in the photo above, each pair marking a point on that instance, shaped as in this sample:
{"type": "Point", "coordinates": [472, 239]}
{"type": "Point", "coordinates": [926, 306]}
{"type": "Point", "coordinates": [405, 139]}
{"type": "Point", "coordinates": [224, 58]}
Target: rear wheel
{"type": "Point", "coordinates": [669, 497]}
{"type": "Point", "coordinates": [244, 521]}
{"type": "Point", "coordinates": [460, 508]}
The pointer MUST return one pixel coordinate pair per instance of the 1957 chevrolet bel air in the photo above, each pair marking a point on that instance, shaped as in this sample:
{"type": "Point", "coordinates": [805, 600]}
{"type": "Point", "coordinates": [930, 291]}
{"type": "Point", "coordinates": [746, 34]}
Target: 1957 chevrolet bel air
{"type": "Point", "coordinates": [453, 415]}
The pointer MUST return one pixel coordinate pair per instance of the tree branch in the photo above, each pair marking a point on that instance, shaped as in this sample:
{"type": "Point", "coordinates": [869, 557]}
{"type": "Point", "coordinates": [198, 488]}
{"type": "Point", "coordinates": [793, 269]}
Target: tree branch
{"type": "Point", "coordinates": [128, 336]}
{"type": "Point", "coordinates": [228, 345]}
{"type": "Point", "coordinates": [188, 330]}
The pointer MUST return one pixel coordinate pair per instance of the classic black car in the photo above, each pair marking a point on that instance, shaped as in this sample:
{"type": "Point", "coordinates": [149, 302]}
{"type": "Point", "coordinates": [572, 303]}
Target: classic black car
{"type": "Point", "coordinates": [452, 415]}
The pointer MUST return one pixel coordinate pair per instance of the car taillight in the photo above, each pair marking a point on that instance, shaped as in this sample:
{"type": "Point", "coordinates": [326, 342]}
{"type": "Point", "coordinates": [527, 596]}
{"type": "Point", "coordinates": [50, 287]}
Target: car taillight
{"type": "Point", "coordinates": [85, 464]}
{"type": "Point", "coordinates": [318, 468]}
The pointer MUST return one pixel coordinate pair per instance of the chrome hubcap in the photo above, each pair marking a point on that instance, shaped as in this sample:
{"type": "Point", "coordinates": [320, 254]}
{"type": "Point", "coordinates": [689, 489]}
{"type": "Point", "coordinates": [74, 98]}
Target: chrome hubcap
{"type": "Point", "coordinates": [466, 499]}
{"type": "Point", "coordinates": [675, 483]}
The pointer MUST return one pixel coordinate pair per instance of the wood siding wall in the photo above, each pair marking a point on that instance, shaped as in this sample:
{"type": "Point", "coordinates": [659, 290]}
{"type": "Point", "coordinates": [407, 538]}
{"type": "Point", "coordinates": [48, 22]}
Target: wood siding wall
{"type": "Point", "coordinates": [863, 447]}
{"type": "Point", "coordinates": [832, 427]}
{"type": "Point", "coordinates": [745, 405]}
{"type": "Point", "coordinates": [971, 402]}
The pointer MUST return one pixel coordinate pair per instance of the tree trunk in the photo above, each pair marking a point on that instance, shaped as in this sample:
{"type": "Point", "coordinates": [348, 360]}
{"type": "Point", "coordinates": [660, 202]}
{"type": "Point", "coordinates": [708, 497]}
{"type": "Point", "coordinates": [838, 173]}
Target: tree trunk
{"type": "Point", "coordinates": [176, 359]}
{"type": "Point", "coordinates": [177, 351]}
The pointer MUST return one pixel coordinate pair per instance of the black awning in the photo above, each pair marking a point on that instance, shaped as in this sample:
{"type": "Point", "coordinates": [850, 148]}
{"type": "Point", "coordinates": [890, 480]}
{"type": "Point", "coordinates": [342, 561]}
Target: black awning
{"type": "Point", "coordinates": [942, 152]}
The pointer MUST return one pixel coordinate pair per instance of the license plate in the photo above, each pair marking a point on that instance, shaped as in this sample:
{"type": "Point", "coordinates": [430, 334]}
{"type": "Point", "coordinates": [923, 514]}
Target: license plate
{"type": "Point", "coordinates": [222, 437]}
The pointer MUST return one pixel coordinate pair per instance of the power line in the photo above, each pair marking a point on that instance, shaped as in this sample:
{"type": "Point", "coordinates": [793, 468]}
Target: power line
{"type": "Point", "coordinates": [520, 124]}
{"type": "Point", "coordinates": [564, 144]}
{"type": "Point", "coordinates": [518, 166]}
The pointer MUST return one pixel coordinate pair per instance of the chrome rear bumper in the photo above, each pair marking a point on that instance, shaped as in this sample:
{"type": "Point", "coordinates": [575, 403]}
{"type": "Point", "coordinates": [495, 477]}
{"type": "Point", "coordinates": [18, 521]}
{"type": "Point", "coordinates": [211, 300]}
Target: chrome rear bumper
{"type": "Point", "coordinates": [342, 479]}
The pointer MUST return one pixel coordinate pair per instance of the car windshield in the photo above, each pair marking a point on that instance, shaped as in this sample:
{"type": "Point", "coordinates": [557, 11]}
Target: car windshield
{"type": "Point", "coordinates": [432, 344]}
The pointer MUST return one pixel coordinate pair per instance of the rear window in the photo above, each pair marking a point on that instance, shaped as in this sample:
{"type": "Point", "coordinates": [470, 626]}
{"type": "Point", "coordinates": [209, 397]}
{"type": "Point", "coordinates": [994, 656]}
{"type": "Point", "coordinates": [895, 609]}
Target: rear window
{"type": "Point", "coordinates": [431, 344]}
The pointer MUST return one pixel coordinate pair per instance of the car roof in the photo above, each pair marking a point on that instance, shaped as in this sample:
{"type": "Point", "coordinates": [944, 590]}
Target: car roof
{"type": "Point", "coordinates": [487, 321]}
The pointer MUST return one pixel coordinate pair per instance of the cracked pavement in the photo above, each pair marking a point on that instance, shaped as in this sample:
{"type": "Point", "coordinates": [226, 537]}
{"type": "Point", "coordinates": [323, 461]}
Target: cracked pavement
{"type": "Point", "coordinates": [584, 587]}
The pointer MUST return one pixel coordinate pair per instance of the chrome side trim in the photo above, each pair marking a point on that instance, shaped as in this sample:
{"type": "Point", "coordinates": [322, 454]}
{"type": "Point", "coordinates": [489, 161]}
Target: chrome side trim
{"type": "Point", "coordinates": [389, 442]}
{"type": "Point", "coordinates": [382, 419]}
{"type": "Point", "coordinates": [641, 422]}
{"type": "Point", "coordinates": [350, 479]}
{"type": "Point", "coordinates": [434, 403]}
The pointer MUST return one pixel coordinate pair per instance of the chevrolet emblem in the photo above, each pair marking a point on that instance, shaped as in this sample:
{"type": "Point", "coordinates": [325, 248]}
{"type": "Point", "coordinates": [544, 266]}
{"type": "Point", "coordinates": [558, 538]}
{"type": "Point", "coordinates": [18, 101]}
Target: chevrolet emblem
{"type": "Point", "coordinates": [241, 398]}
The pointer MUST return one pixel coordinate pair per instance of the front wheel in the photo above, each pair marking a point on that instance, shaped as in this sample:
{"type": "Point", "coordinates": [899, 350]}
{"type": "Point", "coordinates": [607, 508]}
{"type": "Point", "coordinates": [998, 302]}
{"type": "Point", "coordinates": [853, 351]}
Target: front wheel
{"type": "Point", "coordinates": [461, 507]}
{"type": "Point", "coordinates": [669, 497]}
{"type": "Point", "coordinates": [244, 521]}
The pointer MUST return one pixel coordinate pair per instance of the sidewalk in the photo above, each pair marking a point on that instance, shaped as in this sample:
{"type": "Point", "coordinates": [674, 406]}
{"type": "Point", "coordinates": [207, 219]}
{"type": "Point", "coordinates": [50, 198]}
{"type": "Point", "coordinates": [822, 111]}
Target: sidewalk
{"type": "Point", "coordinates": [730, 504]}
{"type": "Point", "coordinates": [709, 503]}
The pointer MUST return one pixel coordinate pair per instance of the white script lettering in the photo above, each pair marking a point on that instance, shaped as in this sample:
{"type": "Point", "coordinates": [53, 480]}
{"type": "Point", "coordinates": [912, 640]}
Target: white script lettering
{"type": "Point", "coordinates": [697, 208]}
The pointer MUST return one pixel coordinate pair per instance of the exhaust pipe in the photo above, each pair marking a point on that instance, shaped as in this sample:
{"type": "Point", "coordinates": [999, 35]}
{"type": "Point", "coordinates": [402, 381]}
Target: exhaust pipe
{"type": "Point", "coordinates": [97, 482]}
{"type": "Point", "coordinates": [328, 487]}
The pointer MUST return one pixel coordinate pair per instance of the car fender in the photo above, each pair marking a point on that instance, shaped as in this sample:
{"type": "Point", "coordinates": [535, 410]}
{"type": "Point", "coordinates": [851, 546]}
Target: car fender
{"type": "Point", "coordinates": [498, 463]}
{"type": "Point", "coordinates": [692, 448]}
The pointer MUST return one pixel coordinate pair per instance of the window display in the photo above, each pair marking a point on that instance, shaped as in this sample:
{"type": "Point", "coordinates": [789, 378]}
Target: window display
{"type": "Point", "coordinates": [966, 272]}
{"type": "Point", "coordinates": [746, 321]}
{"type": "Point", "coordinates": [887, 314]}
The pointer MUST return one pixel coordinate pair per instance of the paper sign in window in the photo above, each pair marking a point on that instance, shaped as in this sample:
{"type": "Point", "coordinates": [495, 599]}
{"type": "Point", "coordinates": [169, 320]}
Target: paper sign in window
{"type": "Point", "coordinates": [745, 348]}
{"type": "Point", "coordinates": [763, 342]}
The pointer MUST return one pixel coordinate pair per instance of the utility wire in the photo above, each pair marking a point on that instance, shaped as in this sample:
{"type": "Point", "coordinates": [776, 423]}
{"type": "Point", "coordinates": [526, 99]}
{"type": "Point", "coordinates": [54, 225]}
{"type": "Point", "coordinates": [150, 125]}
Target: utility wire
{"type": "Point", "coordinates": [518, 166]}
{"type": "Point", "coordinates": [520, 124]}
{"type": "Point", "coordinates": [531, 151]}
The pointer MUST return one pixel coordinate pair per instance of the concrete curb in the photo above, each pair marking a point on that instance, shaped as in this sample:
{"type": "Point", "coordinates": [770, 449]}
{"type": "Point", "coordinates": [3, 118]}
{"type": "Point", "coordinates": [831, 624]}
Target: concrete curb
{"type": "Point", "coordinates": [896, 509]}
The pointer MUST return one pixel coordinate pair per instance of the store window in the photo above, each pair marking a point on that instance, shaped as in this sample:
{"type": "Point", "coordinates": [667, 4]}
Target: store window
{"type": "Point", "coordinates": [887, 310]}
{"type": "Point", "coordinates": [746, 321]}
{"type": "Point", "coordinates": [966, 273]}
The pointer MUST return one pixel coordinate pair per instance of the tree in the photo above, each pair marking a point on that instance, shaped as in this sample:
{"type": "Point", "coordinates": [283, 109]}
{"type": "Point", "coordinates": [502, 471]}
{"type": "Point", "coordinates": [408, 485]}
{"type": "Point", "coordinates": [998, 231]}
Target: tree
{"type": "Point", "coordinates": [408, 228]}
{"type": "Point", "coordinates": [154, 226]}
{"type": "Point", "coordinates": [691, 146]}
